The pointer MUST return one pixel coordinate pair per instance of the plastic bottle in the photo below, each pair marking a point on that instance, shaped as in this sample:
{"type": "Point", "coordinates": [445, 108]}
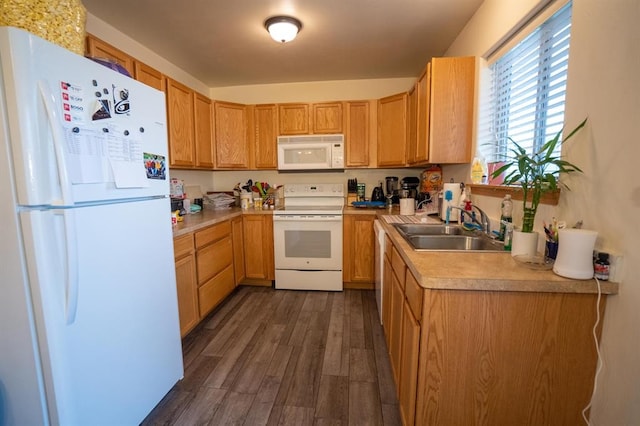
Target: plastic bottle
{"type": "Point", "coordinates": [508, 236]}
{"type": "Point", "coordinates": [506, 215]}
{"type": "Point", "coordinates": [477, 170]}
{"type": "Point", "coordinates": [601, 266]}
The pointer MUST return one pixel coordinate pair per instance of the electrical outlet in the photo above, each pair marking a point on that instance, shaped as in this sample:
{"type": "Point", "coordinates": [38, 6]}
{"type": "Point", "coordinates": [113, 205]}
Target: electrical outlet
{"type": "Point", "coordinates": [616, 263]}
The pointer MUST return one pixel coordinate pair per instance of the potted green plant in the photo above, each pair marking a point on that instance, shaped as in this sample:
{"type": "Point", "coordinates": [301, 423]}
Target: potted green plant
{"type": "Point", "coordinates": [535, 173]}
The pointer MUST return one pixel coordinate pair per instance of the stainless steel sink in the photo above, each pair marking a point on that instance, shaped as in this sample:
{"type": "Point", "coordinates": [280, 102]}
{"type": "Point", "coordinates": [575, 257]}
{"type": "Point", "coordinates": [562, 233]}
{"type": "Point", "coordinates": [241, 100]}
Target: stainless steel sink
{"type": "Point", "coordinates": [424, 229]}
{"type": "Point", "coordinates": [424, 237]}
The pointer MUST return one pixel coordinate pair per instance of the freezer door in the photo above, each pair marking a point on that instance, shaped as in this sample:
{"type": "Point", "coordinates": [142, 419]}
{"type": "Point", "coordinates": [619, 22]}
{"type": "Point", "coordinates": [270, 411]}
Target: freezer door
{"type": "Point", "coordinates": [79, 132]}
{"type": "Point", "coordinates": [104, 290]}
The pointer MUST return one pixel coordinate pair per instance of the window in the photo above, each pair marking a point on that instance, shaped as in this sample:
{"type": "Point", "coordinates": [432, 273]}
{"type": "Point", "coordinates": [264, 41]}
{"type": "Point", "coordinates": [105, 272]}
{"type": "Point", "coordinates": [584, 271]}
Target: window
{"type": "Point", "coordinates": [527, 95]}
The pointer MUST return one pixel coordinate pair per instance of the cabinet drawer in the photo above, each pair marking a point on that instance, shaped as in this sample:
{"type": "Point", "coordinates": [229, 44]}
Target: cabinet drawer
{"type": "Point", "coordinates": [398, 266]}
{"type": "Point", "coordinates": [215, 290]}
{"type": "Point", "coordinates": [413, 293]}
{"type": "Point", "coordinates": [182, 246]}
{"type": "Point", "coordinates": [214, 258]}
{"type": "Point", "coordinates": [212, 233]}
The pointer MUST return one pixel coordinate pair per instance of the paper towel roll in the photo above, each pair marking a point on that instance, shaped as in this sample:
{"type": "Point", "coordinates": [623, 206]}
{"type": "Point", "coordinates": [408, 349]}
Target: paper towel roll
{"type": "Point", "coordinates": [456, 191]}
{"type": "Point", "coordinates": [407, 206]}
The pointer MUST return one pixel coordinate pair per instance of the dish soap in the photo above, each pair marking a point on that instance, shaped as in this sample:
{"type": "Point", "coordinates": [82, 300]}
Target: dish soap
{"type": "Point", "coordinates": [477, 170]}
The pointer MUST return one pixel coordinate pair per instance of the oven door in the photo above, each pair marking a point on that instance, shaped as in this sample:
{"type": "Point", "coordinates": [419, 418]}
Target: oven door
{"type": "Point", "coordinates": [308, 242]}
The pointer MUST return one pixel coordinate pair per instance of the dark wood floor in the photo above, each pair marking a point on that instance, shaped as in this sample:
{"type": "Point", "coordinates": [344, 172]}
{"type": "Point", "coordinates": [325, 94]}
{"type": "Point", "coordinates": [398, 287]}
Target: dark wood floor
{"type": "Point", "coordinates": [285, 357]}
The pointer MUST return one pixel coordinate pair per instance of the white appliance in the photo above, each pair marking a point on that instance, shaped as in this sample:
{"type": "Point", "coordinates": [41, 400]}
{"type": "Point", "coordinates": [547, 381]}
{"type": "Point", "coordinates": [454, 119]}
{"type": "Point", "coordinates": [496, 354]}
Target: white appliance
{"type": "Point", "coordinates": [89, 325]}
{"type": "Point", "coordinates": [307, 235]}
{"type": "Point", "coordinates": [311, 152]}
{"type": "Point", "coordinates": [379, 264]}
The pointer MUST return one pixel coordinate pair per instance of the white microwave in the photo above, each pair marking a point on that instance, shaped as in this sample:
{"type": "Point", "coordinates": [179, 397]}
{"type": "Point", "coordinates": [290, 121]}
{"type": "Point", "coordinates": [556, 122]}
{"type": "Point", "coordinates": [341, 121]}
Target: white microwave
{"type": "Point", "coordinates": [311, 152]}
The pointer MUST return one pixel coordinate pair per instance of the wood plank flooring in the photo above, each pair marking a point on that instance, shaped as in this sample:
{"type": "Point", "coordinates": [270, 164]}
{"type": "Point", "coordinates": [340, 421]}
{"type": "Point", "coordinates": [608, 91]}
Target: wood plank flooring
{"type": "Point", "coordinates": [267, 357]}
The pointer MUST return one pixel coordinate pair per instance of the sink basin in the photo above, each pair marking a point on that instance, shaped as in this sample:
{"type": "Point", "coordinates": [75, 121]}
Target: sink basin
{"type": "Point", "coordinates": [423, 229]}
{"type": "Point", "coordinates": [446, 238]}
{"type": "Point", "coordinates": [453, 242]}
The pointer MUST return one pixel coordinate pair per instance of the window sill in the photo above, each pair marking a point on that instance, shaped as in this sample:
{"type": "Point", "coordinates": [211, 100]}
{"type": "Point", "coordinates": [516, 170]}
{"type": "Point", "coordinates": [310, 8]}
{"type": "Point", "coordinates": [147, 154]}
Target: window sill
{"type": "Point", "coordinates": [499, 191]}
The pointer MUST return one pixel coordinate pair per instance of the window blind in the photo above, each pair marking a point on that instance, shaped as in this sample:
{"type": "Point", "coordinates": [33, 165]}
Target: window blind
{"type": "Point", "coordinates": [527, 95]}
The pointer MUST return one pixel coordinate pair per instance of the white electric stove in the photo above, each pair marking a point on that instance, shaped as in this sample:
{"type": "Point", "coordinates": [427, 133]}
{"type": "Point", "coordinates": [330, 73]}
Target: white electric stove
{"type": "Point", "coordinates": [307, 236]}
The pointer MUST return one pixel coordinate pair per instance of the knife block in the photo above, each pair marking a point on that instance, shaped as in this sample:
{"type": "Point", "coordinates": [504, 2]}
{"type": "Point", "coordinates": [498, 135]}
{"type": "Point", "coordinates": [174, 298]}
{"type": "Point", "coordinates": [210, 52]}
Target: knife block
{"type": "Point", "coordinates": [351, 197]}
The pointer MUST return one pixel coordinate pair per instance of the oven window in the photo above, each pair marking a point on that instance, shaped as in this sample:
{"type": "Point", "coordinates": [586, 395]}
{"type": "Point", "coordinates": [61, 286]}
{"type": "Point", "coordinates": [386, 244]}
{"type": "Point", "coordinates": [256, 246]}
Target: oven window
{"type": "Point", "coordinates": [307, 244]}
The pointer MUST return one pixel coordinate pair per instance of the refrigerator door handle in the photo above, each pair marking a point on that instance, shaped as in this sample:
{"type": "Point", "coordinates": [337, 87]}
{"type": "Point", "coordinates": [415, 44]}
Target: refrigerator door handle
{"type": "Point", "coordinates": [71, 305]}
{"type": "Point", "coordinates": [58, 143]}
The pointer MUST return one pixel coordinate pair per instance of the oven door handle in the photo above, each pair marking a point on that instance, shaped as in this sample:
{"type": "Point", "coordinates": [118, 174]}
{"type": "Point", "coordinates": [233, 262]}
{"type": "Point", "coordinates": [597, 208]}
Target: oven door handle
{"type": "Point", "coordinates": [308, 218]}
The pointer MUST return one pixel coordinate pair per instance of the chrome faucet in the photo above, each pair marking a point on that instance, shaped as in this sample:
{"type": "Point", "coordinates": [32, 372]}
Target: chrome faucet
{"type": "Point", "coordinates": [484, 222]}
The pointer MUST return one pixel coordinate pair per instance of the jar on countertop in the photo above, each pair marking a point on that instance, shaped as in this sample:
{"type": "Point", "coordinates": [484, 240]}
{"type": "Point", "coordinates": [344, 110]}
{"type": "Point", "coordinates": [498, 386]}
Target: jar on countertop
{"type": "Point", "coordinates": [59, 21]}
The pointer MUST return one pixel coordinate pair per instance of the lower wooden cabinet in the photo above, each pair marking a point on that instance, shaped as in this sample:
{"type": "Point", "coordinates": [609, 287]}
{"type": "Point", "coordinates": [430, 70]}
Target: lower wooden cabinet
{"type": "Point", "coordinates": [238, 249]}
{"type": "Point", "coordinates": [205, 263]}
{"type": "Point", "coordinates": [358, 239]}
{"type": "Point", "coordinates": [487, 357]}
{"type": "Point", "coordinates": [258, 246]}
{"type": "Point", "coordinates": [186, 283]}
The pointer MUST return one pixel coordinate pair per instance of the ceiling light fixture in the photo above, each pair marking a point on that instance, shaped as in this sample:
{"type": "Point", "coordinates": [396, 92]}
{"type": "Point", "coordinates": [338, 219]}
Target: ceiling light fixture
{"type": "Point", "coordinates": [283, 28]}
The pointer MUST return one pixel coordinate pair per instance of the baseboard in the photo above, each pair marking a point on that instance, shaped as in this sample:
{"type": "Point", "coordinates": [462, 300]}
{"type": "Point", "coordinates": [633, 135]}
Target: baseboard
{"type": "Point", "coordinates": [257, 282]}
{"type": "Point", "coordinates": [359, 286]}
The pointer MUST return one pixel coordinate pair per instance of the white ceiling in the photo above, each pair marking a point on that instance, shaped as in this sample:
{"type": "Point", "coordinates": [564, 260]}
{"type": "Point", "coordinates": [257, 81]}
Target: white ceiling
{"type": "Point", "coordinates": [224, 43]}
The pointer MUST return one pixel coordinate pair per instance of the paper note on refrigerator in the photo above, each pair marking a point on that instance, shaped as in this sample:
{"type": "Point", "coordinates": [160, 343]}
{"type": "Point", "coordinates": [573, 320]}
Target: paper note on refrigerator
{"type": "Point", "coordinates": [126, 158]}
{"type": "Point", "coordinates": [86, 156]}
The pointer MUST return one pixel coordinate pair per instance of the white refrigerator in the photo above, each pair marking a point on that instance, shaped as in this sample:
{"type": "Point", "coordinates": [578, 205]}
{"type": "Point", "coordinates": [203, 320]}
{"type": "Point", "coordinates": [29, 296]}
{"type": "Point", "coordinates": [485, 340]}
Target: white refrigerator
{"type": "Point", "coordinates": [89, 329]}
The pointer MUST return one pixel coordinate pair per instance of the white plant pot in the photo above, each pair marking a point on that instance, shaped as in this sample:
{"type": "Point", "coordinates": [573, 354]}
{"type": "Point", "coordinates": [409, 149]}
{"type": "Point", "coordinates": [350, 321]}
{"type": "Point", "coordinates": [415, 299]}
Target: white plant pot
{"type": "Point", "coordinates": [525, 243]}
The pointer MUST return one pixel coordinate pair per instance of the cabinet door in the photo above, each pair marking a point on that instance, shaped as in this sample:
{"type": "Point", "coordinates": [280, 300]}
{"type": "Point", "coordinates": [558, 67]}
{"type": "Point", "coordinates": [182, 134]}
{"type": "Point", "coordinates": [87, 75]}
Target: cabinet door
{"type": "Point", "coordinates": [203, 132]}
{"type": "Point", "coordinates": [357, 133]}
{"type": "Point", "coordinates": [258, 246]}
{"type": "Point", "coordinates": [149, 76]}
{"type": "Point", "coordinates": [423, 104]}
{"type": "Point", "coordinates": [392, 130]}
{"type": "Point", "coordinates": [451, 109]}
{"type": "Point", "coordinates": [409, 365]}
{"type": "Point", "coordinates": [187, 293]}
{"type": "Point", "coordinates": [238, 249]}
{"type": "Point", "coordinates": [386, 299]}
{"type": "Point", "coordinates": [181, 125]}
{"type": "Point", "coordinates": [101, 49]}
{"type": "Point", "coordinates": [327, 117]}
{"type": "Point", "coordinates": [265, 119]}
{"type": "Point", "coordinates": [293, 119]}
{"type": "Point", "coordinates": [358, 248]}
{"type": "Point", "coordinates": [412, 124]}
{"type": "Point", "coordinates": [231, 142]}
{"type": "Point", "coordinates": [395, 335]}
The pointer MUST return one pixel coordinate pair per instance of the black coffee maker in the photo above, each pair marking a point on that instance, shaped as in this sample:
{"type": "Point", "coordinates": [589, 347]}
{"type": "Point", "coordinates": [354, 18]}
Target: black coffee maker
{"type": "Point", "coordinates": [409, 187]}
{"type": "Point", "coordinates": [392, 190]}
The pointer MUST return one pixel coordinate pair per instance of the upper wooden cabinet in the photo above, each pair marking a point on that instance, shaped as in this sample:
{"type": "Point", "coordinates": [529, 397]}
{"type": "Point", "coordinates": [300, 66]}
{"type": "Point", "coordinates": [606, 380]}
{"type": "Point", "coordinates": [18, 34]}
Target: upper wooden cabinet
{"type": "Point", "coordinates": [180, 114]}
{"type": "Point", "coordinates": [445, 104]}
{"type": "Point", "coordinates": [231, 142]}
{"type": "Point", "coordinates": [203, 131]}
{"type": "Point", "coordinates": [327, 117]}
{"type": "Point", "coordinates": [413, 128]}
{"type": "Point", "coordinates": [392, 130]}
{"type": "Point", "coordinates": [357, 133]}
{"type": "Point", "coordinates": [101, 49]}
{"type": "Point", "coordinates": [293, 119]}
{"type": "Point", "coordinates": [149, 76]}
{"type": "Point", "coordinates": [304, 119]}
{"type": "Point", "coordinates": [265, 135]}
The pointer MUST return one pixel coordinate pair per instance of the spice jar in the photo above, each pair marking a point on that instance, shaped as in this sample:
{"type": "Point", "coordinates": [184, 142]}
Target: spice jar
{"type": "Point", "coordinates": [59, 21]}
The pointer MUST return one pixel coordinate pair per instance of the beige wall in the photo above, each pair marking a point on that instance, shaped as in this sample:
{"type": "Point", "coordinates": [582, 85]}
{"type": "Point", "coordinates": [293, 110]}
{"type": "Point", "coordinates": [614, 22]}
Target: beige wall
{"type": "Point", "coordinates": [603, 84]}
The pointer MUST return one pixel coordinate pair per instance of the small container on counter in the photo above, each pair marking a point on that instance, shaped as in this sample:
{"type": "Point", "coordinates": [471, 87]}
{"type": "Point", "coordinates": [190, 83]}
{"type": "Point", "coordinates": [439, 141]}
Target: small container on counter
{"type": "Point", "coordinates": [601, 266]}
